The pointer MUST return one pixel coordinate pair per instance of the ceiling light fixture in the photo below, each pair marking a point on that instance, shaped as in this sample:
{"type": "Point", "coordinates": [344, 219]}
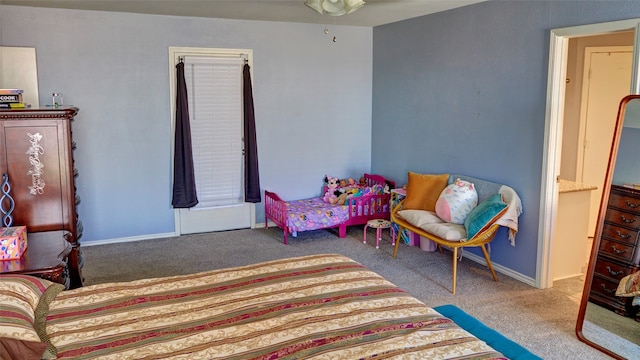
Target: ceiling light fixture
{"type": "Point", "coordinates": [335, 7]}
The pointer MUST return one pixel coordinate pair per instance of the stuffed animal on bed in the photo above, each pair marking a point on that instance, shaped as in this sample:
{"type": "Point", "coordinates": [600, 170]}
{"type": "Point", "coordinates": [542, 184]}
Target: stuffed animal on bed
{"type": "Point", "coordinates": [350, 193]}
{"type": "Point", "coordinates": [332, 185]}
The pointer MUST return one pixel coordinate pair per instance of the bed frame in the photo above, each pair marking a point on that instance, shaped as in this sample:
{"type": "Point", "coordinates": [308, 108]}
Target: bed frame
{"type": "Point", "coordinates": [361, 209]}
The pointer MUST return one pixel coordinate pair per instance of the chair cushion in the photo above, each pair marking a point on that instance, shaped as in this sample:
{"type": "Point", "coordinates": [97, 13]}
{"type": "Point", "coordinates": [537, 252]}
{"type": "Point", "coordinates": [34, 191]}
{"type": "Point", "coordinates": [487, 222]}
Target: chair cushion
{"type": "Point", "coordinates": [431, 223]}
{"type": "Point", "coordinates": [419, 217]}
{"type": "Point", "coordinates": [423, 190]}
{"type": "Point", "coordinates": [483, 215]}
{"type": "Point", "coordinates": [456, 201]}
{"type": "Point", "coordinates": [446, 231]}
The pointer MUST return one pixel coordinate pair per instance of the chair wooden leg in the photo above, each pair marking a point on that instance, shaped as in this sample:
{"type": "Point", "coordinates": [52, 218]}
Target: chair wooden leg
{"type": "Point", "coordinates": [455, 267]}
{"type": "Point", "coordinates": [486, 257]}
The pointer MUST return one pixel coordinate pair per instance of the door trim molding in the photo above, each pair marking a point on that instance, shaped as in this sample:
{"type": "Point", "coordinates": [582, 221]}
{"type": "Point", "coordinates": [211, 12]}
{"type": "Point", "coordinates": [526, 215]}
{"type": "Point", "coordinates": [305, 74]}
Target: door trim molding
{"type": "Point", "coordinates": [552, 146]}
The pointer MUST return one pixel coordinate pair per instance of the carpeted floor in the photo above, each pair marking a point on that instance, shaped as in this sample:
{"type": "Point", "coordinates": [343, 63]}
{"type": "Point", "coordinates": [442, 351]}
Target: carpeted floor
{"type": "Point", "coordinates": [543, 321]}
{"type": "Point", "coordinates": [624, 327]}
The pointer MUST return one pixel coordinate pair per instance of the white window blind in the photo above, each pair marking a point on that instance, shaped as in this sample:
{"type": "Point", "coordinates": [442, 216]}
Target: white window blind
{"type": "Point", "coordinates": [214, 89]}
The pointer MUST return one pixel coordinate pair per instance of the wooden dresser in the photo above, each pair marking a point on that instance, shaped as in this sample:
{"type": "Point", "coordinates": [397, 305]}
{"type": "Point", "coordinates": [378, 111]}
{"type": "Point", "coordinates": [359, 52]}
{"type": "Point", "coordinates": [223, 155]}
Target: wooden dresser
{"type": "Point", "coordinates": [619, 253]}
{"type": "Point", "coordinates": [36, 152]}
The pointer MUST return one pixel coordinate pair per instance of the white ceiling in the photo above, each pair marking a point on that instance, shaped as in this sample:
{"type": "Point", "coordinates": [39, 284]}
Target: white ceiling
{"type": "Point", "coordinates": [374, 13]}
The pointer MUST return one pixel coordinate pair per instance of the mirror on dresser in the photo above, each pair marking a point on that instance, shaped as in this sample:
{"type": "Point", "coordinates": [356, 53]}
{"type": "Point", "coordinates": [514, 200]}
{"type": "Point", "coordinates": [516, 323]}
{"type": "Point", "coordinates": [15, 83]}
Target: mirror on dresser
{"type": "Point", "coordinates": [605, 321]}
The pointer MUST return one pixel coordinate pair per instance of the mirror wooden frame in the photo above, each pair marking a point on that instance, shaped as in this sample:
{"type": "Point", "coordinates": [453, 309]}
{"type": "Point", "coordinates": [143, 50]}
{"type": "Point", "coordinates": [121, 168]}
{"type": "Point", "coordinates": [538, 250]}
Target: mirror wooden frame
{"type": "Point", "coordinates": [599, 227]}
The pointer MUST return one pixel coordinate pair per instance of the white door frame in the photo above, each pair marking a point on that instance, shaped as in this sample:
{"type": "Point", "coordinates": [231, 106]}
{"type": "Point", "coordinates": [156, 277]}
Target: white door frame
{"type": "Point", "coordinates": [174, 52]}
{"type": "Point", "coordinates": [558, 50]}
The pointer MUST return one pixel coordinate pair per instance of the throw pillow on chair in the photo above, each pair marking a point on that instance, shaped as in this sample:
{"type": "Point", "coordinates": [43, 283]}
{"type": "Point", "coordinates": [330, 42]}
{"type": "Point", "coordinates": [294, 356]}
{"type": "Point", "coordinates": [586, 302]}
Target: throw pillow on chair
{"type": "Point", "coordinates": [456, 201]}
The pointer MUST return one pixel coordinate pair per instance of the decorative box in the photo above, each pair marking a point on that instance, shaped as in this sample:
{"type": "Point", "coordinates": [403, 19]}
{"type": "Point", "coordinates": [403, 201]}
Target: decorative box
{"type": "Point", "coordinates": [13, 242]}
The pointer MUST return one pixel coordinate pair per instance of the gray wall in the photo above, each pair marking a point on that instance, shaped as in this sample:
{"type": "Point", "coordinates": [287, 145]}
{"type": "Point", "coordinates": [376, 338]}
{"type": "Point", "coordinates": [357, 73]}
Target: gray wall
{"type": "Point", "coordinates": [464, 91]}
{"type": "Point", "coordinates": [312, 102]}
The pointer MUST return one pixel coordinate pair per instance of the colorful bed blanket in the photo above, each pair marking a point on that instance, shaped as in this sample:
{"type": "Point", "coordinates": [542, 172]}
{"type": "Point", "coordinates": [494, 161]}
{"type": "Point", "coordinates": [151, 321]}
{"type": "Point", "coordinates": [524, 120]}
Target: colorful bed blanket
{"type": "Point", "coordinates": [313, 214]}
{"type": "Point", "coordinates": [312, 307]}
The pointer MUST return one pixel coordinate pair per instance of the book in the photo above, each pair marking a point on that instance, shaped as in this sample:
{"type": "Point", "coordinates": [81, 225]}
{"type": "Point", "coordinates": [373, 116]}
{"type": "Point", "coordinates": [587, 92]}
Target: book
{"type": "Point", "coordinates": [12, 106]}
{"type": "Point", "coordinates": [10, 98]}
{"type": "Point", "coordinates": [10, 91]}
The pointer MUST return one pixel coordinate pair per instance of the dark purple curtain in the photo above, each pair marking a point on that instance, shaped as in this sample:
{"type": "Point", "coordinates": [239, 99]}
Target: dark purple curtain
{"type": "Point", "coordinates": [251, 176]}
{"type": "Point", "coordinates": [184, 182]}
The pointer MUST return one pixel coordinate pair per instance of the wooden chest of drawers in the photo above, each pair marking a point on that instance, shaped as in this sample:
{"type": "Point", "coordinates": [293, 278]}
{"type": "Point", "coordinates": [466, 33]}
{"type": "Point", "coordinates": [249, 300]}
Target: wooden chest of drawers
{"type": "Point", "coordinates": [619, 252]}
{"type": "Point", "coordinates": [36, 153]}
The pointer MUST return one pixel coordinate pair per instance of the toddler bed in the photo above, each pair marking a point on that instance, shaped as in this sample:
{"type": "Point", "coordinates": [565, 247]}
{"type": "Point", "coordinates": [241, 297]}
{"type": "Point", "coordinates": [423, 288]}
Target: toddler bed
{"type": "Point", "coordinates": [323, 306]}
{"type": "Point", "coordinates": [315, 213]}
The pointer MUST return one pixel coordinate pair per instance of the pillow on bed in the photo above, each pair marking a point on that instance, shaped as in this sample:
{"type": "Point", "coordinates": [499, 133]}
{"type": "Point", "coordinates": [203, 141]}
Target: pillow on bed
{"type": "Point", "coordinates": [629, 285]}
{"type": "Point", "coordinates": [23, 298]}
{"type": "Point", "coordinates": [484, 215]}
{"type": "Point", "coordinates": [423, 190]}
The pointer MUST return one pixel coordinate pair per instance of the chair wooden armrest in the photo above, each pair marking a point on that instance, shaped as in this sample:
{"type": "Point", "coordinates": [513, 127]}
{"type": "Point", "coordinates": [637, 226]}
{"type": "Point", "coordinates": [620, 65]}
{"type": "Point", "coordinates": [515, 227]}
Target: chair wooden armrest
{"type": "Point", "coordinates": [483, 237]}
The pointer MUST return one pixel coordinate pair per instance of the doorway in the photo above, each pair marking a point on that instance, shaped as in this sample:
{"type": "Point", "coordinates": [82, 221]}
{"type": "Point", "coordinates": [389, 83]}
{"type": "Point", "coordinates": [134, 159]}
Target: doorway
{"type": "Point", "coordinates": [214, 86]}
{"type": "Point", "coordinates": [607, 79]}
{"type": "Point", "coordinates": [597, 78]}
{"type": "Point", "coordinates": [554, 145]}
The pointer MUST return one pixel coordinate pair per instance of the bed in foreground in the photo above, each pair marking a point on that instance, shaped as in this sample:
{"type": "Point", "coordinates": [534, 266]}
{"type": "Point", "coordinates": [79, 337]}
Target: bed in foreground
{"type": "Point", "coordinates": [319, 306]}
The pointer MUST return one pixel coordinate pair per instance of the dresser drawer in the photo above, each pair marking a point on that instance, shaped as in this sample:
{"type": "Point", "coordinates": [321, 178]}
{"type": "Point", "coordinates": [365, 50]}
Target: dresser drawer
{"type": "Point", "coordinates": [620, 234]}
{"type": "Point", "coordinates": [606, 288]}
{"type": "Point", "coordinates": [624, 202]}
{"type": "Point", "coordinates": [622, 218]}
{"type": "Point", "coordinates": [617, 250]}
{"type": "Point", "coordinates": [611, 269]}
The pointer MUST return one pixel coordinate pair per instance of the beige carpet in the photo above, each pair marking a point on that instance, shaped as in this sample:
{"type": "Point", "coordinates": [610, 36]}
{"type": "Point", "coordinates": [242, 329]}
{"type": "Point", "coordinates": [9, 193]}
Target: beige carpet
{"type": "Point", "coordinates": [543, 321]}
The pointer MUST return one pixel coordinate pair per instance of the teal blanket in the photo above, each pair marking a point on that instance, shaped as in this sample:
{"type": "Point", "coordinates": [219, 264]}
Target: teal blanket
{"type": "Point", "coordinates": [499, 342]}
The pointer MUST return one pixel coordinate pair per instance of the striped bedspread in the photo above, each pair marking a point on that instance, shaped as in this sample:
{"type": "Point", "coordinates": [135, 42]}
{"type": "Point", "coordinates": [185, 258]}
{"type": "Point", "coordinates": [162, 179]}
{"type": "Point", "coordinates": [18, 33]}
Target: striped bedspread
{"type": "Point", "coordinates": [320, 307]}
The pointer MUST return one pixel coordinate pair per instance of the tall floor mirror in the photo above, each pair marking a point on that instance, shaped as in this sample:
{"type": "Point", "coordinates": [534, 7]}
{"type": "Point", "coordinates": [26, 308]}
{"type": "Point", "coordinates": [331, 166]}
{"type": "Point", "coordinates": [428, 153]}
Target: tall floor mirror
{"type": "Point", "coordinates": [609, 315]}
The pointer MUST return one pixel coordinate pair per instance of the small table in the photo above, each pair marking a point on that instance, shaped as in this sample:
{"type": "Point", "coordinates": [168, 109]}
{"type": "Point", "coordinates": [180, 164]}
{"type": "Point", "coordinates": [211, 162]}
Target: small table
{"type": "Point", "coordinates": [46, 257]}
{"type": "Point", "coordinates": [377, 224]}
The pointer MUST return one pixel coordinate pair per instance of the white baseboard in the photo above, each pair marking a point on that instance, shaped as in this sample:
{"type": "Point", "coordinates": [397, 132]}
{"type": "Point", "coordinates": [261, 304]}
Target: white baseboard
{"type": "Point", "coordinates": [501, 269]}
{"type": "Point", "coordinates": [128, 239]}
{"type": "Point", "coordinates": [148, 237]}
{"type": "Point", "coordinates": [271, 224]}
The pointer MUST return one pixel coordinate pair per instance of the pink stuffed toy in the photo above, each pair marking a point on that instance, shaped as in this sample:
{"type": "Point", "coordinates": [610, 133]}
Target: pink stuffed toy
{"type": "Point", "coordinates": [332, 185]}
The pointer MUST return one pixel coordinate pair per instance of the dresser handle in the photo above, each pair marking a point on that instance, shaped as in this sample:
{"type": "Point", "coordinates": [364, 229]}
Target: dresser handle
{"type": "Point", "coordinates": [631, 205]}
{"type": "Point", "coordinates": [622, 236]}
{"type": "Point", "coordinates": [615, 250]}
{"type": "Point", "coordinates": [614, 273]}
{"type": "Point", "coordinates": [605, 289]}
{"type": "Point", "coordinates": [628, 221]}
